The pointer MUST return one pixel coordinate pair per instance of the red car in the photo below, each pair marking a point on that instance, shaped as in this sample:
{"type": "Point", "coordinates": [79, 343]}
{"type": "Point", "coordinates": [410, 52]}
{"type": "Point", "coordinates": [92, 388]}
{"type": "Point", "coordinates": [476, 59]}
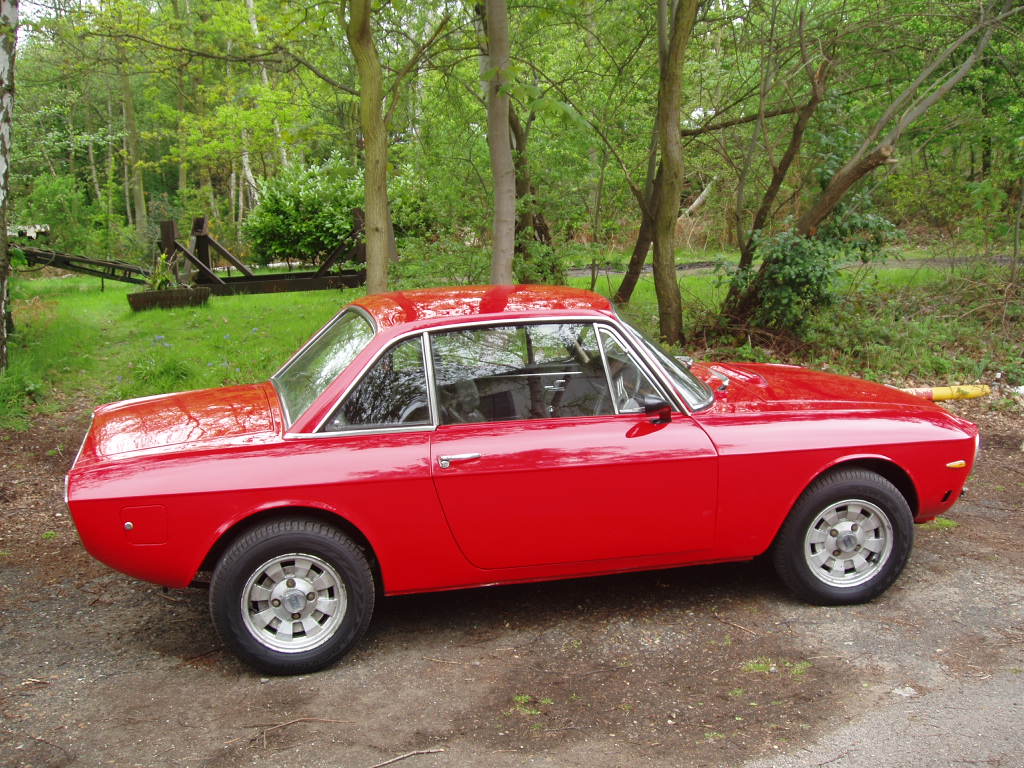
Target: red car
{"type": "Point", "coordinates": [462, 437]}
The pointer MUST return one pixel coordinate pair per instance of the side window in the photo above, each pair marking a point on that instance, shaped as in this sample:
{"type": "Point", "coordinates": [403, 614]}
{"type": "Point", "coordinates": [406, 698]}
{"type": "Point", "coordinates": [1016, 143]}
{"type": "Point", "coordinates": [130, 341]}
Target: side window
{"type": "Point", "coordinates": [392, 393]}
{"type": "Point", "coordinates": [501, 373]}
{"type": "Point", "coordinates": [629, 382]}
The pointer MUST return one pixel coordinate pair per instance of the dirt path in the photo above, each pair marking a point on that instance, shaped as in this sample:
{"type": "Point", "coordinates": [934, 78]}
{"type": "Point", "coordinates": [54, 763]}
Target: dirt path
{"type": "Point", "coordinates": [694, 667]}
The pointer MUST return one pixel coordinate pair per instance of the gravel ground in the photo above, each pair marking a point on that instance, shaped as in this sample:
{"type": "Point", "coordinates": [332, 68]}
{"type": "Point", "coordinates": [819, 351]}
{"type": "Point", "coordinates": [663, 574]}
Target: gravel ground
{"type": "Point", "coordinates": [709, 666]}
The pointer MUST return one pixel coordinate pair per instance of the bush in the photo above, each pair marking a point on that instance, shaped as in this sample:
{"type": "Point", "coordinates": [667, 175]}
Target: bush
{"type": "Point", "coordinates": [304, 213]}
{"type": "Point", "coordinates": [795, 280]}
{"type": "Point", "coordinates": [446, 261]}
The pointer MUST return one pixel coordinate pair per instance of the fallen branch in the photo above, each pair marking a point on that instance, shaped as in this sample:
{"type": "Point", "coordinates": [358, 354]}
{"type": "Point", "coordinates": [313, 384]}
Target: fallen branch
{"type": "Point", "coordinates": [734, 624]}
{"type": "Point", "coordinates": [407, 754]}
{"type": "Point", "coordinates": [268, 727]}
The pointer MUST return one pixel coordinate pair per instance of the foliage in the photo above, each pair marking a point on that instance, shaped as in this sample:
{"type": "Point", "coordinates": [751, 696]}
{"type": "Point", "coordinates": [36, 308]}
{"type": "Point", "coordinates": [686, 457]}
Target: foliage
{"type": "Point", "coordinates": [446, 261]}
{"type": "Point", "coordinates": [856, 231]}
{"type": "Point", "coordinates": [305, 213]}
{"type": "Point", "coordinates": [221, 96]}
{"type": "Point", "coordinates": [539, 263]}
{"type": "Point", "coordinates": [795, 280]}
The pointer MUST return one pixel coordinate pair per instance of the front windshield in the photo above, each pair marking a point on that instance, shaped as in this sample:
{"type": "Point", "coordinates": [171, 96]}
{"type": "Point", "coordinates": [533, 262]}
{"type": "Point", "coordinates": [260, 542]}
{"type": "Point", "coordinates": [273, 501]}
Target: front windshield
{"type": "Point", "coordinates": [309, 373]}
{"type": "Point", "coordinates": [698, 395]}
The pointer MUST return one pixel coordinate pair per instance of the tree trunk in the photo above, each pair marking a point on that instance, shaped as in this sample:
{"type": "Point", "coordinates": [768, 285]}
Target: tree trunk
{"type": "Point", "coordinates": [251, 5]}
{"type": "Point", "coordinates": [8, 48]}
{"type": "Point", "coordinates": [94, 176]}
{"type": "Point", "coordinates": [500, 143]}
{"type": "Point", "coordinates": [644, 238]}
{"type": "Point", "coordinates": [182, 168]}
{"type": "Point", "coordinates": [666, 283]}
{"type": "Point", "coordinates": [1015, 262]}
{"type": "Point", "coordinates": [748, 241]}
{"type": "Point", "coordinates": [251, 188]}
{"type": "Point", "coordinates": [646, 200]}
{"type": "Point", "coordinates": [135, 178]}
{"type": "Point", "coordinates": [528, 214]}
{"type": "Point", "coordinates": [375, 145]}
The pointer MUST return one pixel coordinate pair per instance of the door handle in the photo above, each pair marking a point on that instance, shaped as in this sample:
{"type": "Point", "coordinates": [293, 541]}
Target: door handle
{"type": "Point", "coordinates": [446, 461]}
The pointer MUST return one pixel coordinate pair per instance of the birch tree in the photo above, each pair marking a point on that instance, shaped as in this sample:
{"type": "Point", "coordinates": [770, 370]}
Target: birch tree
{"type": "Point", "coordinates": [8, 46]}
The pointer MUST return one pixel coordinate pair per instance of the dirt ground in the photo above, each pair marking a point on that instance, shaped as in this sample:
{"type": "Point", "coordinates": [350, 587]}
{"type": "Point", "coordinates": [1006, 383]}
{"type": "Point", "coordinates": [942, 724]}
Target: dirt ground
{"type": "Point", "coordinates": [708, 666]}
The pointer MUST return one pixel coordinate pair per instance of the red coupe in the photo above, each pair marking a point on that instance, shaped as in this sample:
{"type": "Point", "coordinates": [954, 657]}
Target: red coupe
{"type": "Point", "coordinates": [461, 437]}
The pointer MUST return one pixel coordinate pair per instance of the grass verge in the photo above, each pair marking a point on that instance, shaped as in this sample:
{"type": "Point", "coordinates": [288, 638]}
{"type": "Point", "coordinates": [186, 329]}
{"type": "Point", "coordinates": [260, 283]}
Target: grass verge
{"type": "Point", "coordinates": [928, 324]}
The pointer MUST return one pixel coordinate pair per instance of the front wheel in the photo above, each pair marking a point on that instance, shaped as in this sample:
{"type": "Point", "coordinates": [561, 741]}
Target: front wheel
{"type": "Point", "coordinates": [846, 540]}
{"type": "Point", "coordinates": [292, 596]}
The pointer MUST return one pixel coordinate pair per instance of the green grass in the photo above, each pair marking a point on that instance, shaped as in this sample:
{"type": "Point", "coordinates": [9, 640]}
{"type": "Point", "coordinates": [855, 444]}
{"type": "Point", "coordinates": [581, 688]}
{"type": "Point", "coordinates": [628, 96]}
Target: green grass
{"type": "Point", "coordinates": [73, 340]}
{"type": "Point", "coordinates": [926, 323]}
{"type": "Point", "coordinates": [939, 524]}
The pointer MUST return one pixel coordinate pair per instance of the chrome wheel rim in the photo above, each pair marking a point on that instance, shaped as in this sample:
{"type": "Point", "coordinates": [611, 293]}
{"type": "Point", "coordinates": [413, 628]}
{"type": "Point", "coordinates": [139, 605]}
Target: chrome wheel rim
{"type": "Point", "coordinates": [294, 602]}
{"type": "Point", "coordinates": [848, 543]}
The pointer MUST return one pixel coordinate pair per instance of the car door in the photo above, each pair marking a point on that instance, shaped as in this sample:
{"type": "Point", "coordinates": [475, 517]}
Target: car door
{"type": "Point", "coordinates": [543, 454]}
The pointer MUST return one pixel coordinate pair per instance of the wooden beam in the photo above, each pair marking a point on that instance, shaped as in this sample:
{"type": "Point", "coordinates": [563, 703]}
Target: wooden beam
{"type": "Point", "coordinates": [202, 267]}
{"type": "Point", "coordinates": [229, 256]}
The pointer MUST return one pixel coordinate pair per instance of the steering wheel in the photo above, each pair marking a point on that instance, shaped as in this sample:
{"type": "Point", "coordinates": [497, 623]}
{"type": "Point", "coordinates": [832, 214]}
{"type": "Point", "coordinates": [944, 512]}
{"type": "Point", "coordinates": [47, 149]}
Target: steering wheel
{"type": "Point", "coordinates": [627, 384]}
{"type": "Point", "coordinates": [416, 410]}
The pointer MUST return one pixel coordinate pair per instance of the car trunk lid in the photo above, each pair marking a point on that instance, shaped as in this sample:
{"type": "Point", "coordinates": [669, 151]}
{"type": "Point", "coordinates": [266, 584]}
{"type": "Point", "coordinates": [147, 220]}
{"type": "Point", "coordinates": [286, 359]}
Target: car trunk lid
{"type": "Point", "coordinates": [182, 421]}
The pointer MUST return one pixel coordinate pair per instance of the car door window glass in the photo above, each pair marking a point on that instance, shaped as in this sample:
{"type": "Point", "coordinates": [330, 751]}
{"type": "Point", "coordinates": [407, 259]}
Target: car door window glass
{"type": "Point", "coordinates": [501, 373]}
{"type": "Point", "coordinates": [393, 393]}
{"type": "Point", "coordinates": [629, 382]}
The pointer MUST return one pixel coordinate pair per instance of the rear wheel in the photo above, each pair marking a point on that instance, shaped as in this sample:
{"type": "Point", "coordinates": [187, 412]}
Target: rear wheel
{"type": "Point", "coordinates": [846, 540]}
{"type": "Point", "coordinates": [292, 596]}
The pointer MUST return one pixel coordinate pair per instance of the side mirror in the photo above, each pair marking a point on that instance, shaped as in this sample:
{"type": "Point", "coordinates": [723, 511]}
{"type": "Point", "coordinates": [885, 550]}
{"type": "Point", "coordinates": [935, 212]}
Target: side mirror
{"type": "Point", "coordinates": [655, 406]}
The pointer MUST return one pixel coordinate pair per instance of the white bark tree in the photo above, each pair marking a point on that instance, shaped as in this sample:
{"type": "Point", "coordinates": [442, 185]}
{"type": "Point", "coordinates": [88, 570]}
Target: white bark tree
{"type": "Point", "coordinates": [8, 46]}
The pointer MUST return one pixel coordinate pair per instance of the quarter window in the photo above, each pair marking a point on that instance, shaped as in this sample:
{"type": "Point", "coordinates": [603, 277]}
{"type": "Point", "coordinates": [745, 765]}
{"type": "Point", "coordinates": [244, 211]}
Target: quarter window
{"type": "Point", "coordinates": [629, 383]}
{"type": "Point", "coordinates": [393, 393]}
{"type": "Point", "coordinates": [305, 377]}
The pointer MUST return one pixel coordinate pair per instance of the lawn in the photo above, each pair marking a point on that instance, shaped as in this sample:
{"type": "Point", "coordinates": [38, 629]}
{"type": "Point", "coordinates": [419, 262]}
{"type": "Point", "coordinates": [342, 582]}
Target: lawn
{"type": "Point", "coordinates": [900, 322]}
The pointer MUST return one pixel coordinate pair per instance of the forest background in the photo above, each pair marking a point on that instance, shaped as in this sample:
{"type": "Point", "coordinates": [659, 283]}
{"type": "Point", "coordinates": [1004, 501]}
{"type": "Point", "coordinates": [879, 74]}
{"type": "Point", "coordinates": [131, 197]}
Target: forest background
{"type": "Point", "coordinates": [779, 140]}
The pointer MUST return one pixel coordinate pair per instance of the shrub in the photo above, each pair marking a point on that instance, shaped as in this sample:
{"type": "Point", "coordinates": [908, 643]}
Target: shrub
{"type": "Point", "coordinates": [304, 213]}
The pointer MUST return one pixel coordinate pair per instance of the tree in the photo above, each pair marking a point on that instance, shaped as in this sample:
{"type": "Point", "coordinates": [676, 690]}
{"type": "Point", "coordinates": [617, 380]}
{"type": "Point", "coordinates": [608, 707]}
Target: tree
{"type": "Point", "coordinates": [675, 24]}
{"type": "Point", "coordinates": [931, 84]}
{"type": "Point", "coordinates": [375, 143]}
{"type": "Point", "coordinates": [8, 47]}
{"type": "Point", "coordinates": [499, 140]}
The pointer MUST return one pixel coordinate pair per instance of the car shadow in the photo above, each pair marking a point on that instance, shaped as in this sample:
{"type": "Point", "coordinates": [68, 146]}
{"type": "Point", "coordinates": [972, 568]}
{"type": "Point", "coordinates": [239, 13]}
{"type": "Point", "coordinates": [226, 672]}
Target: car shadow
{"type": "Point", "coordinates": [478, 612]}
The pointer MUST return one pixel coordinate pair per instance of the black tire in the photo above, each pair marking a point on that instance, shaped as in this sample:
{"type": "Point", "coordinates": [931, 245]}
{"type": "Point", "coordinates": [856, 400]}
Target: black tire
{"type": "Point", "coordinates": [846, 539]}
{"type": "Point", "coordinates": [323, 577]}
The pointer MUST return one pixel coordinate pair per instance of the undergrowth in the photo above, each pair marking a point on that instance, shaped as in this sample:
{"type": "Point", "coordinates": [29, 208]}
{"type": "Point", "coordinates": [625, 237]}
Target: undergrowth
{"type": "Point", "coordinates": [74, 343]}
{"type": "Point", "coordinates": [77, 346]}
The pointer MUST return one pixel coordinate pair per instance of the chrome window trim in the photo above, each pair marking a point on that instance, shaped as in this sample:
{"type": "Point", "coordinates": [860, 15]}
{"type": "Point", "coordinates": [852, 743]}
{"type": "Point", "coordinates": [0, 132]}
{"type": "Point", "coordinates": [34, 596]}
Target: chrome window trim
{"type": "Point", "coordinates": [656, 374]}
{"type": "Point", "coordinates": [369, 366]}
{"type": "Point", "coordinates": [327, 326]}
{"type": "Point", "coordinates": [373, 431]}
{"type": "Point", "coordinates": [607, 369]}
{"type": "Point", "coordinates": [428, 362]}
{"type": "Point", "coordinates": [634, 339]}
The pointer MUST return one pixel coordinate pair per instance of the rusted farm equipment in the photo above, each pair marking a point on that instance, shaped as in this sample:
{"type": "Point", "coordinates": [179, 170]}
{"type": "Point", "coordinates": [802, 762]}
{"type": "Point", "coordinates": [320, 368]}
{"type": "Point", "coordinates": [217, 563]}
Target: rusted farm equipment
{"type": "Point", "coordinates": [203, 245]}
{"type": "Point", "coordinates": [106, 268]}
{"type": "Point", "coordinates": [200, 255]}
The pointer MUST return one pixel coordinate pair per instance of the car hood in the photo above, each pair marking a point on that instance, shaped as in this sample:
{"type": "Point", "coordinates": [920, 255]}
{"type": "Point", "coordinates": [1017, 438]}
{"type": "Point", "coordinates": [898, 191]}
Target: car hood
{"type": "Point", "coordinates": [766, 387]}
{"type": "Point", "coordinates": [183, 420]}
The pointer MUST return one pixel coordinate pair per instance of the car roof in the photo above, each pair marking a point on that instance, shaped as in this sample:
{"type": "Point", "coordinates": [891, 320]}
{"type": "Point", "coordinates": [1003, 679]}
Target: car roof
{"type": "Point", "coordinates": [404, 307]}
